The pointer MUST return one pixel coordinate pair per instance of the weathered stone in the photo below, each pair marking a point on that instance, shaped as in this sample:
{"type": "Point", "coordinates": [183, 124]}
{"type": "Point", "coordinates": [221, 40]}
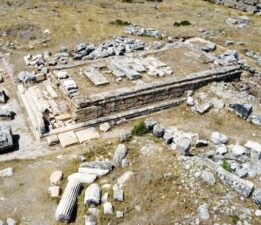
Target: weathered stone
{"type": "Point", "coordinates": [203, 211]}
{"type": "Point", "coordinates": [92, 195]}
{"type": "Point", "coordinates": [150, 123]}
{"type": "Point", "coordinates": [158, 130]}
{"type": "Point", "coordinates": [90, 220]}
{"type": "Point", "coordinates": [124, 178]}
{"type": "Point", "coordinates": [119, 214]}
{"type": "Point", "coordinates": [183, 145]}
{"type": "Point", "coordinates": [209, 47]}
{"type": "Point", "coordinates": [54, 191]}
{"type": "Point", "coordinates": [119, 154]}
{"type": "Point", "coordinates": [125, 137]}
{"type": "Point", "coordinates": [242, 186]}
{"type": "Point", "coordinates": [190, 101]}
{"type": "Point", "coordinates": [67, 139]}
{"type": "Point", "coordinates": [125, 163]}
{"type": "Point", "coordinates": [221, 150]}
{"type": "Point", "coordinates": [168, 138]}
{"type": "Point", "coordinates": [208, 178]}
{"type": "Point", "coordinates": [52, 140]}
{"type": "Point", "coordinates": [201, 109]}
{"type": "Point", "coordinates": [242, 110]}
{"type": "Point", "coordinates": [7, 172]}
{"type": "Point", "coordinates": [201, 143]}
{"type": "Point", "coordinates": [98, 172]}
{"type": "Point", "coordinates": [94, 211]}
{"type": "Point", "coordinates": [96, 77]}
{"type": "Point", "coordinates": [256, 196]}
{"type": "Point", "coordinates": [6, 137]}
{"type": "Point", "coordinates": [56, 177]}
{"type": "Point", "coordinates": [218, 138]}
{"type": "Point", "coordinates": [105, 127]}
{"type": "Point", "coordinates": [255, 119]}
{"type": "Point", "coordinates": [105, 197]}
{"type": "Point", "coordinates": [104, 165]}
{"type": "Point", "coordinates": [258, 213]}
{"type": "Point", "coordinates": [87, 134]}
{"type": "Point", "coordinates": [83, 178]}
{"type": "Point", "coordinates": [10, 221]}
{"type": "Point", "coordinates": [238, 150]}
{"type": "Point", "coordinates": [118, 194]}
{"type": "Point", "coordinates": [108, 208]}
{"type": "Point", "coordinates": [242, 172]}
{"type": "Point", "coordinates": [255, 149]}
{"type": "Point", "coordinates": [65, 209]}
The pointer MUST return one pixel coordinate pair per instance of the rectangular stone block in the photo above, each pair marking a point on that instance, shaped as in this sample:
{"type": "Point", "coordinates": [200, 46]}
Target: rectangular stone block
{"type": "Point", "coordinates": [68, 139]}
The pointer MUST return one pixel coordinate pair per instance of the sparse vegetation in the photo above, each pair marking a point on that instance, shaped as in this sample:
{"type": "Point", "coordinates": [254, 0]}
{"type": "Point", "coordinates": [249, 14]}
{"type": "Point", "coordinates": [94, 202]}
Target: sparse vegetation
{"type": "Point", "coordinates": [120, 22]}
{"type": "Point", "coordinates": [226, 166]}
{"type": "Point", "coordinates": [235, 219]}
{"type": "Point", "coordinates": [139, 129]}
{"type": "Point", "coordinates": [182, 23]}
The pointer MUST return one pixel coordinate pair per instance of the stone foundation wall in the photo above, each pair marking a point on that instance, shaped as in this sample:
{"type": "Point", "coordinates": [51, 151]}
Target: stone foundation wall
{"type": "Point", "coordinates": [250, 6]}
{"type": "Point", "coordinates": [106, 103]}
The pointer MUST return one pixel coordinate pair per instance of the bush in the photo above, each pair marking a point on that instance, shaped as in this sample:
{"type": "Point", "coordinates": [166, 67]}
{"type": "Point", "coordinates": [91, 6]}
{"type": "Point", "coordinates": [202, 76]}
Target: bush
{"type": "Point", "coordinates": [139, 129]}
{"type": "Point", "coordinates": [127, 1]}
{"type": "Point", "coordinates": [120, 22]}
{"type": "Point", "coordinates": [226, 166]}
{"type": "Point", "coordinates": [182, 23]}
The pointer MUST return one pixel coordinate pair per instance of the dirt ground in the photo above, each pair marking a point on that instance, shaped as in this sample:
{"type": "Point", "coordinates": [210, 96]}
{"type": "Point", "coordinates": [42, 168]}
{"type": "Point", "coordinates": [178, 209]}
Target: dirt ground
{"type": "Point", "coordinates": [150, 199]}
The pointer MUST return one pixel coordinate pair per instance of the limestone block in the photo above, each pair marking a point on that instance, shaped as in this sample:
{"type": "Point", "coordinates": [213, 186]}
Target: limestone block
{"type": "Point", "coordinates": [67, 139]}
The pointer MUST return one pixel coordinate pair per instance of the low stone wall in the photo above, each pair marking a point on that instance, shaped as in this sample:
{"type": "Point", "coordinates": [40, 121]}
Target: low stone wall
{"type": "Point", "coordinates": [106, 103]}
{"type": "Point", "coordinates": [250, 6]}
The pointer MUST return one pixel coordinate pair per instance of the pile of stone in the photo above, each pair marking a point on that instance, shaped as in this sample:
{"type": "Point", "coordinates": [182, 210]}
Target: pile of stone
{"type": "Point", "coordinates": [230, 57]}
{"type": "Point", "coordinates": [238, 162]}
{"type": "Point", "coordinates": [141, 31]}
{"type": "Point", "coordinates": [117, 46]}
{"type": "Point", "coordinates": [133, 68]}
{"type": "Point", "coordinates": [209, 47]}
{"type": "Point", "coordinates": [177, 139]}
{"type": "Point", "coordinates": [55, 181]}
{"type": "Point", "coordinates": [87, 173]}
{"type": "Point", "coordinates": [243, 110]}
{"type": "Point", "coordinates": [251, 70]}
{"type": "Point", "coordinates": [6, 138]}
{"type": "Point", "coordinates": [67, 84]}
{"type": "Point", "coordinates": [254, 55]}
{"type": "Point", "coordinates": [44, 60]}
{"type": "Point", "coordinates": [242, 160]}
{"type": "Point", "coordinates": [242, 22]}
{"type": "Point", "coordinates": [250, 6]}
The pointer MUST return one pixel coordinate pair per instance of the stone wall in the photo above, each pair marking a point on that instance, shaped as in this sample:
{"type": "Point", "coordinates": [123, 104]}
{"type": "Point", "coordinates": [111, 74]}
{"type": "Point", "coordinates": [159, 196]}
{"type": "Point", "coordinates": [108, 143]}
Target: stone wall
{"type": "Point", "coordinates": [250, 6]}
{"type": "Point", "coordinates": [106, 103]}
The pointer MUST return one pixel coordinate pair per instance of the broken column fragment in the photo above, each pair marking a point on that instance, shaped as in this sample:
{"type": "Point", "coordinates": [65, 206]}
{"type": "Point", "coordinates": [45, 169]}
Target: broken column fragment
{"type": "Point", "coordinates": [66, 207]}
{"type": "Point", "coordinates": [119, 154]}
{"type": "Point", "coordinates": [92, 195]}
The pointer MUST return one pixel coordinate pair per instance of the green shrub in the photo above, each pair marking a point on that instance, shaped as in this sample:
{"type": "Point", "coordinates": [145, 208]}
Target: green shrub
{"type": "Point", "coordinates": [226, 166]}
{"type": "Point", "coordinates": [235, 219]}
{"type": "Point", "coordinates": [182, 23]}
{"type": "Point", "coordinates": [127, 1]}
{"type": "Point", "coordinates": [120, 22]}
{"type": "Point", "coordinates": [139, 129]}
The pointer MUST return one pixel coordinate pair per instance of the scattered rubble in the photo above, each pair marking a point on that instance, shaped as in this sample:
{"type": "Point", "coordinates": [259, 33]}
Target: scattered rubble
{"type": "Point", "coordinates": [7, 172]}
{"type": "Point", "coordinates": [241, 22]}
{"type": "Point", "coordinates": [6, 138]}
{"type": "Point", "coordinates": [140, 31]}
